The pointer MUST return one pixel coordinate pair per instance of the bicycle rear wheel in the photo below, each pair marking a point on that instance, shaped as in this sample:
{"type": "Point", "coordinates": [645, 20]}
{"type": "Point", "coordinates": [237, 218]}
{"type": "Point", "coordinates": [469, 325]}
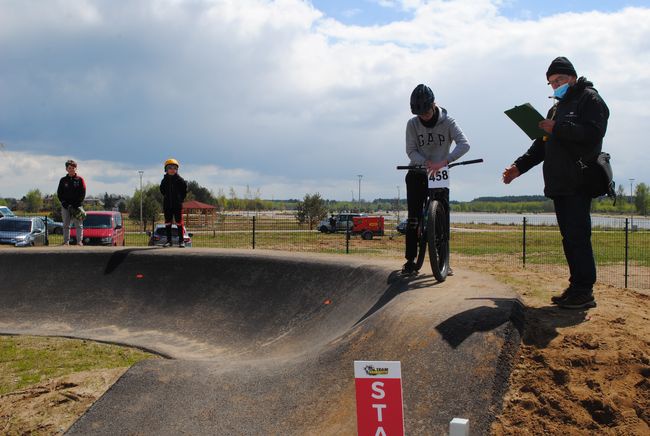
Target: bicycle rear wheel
{"type": "Point", "coordinates": [422, 243]}
{"type": "Point", "coordinates": [438, 240]}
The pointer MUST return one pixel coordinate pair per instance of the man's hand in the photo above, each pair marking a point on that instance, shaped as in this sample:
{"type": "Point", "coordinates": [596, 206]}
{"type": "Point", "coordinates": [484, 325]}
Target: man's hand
{"type": "Point", "coordinates": [547, 125]}
{"type": "Point", "coordinates": [432, 167]}
{"type": "Point", "coordinates": [510, 173]}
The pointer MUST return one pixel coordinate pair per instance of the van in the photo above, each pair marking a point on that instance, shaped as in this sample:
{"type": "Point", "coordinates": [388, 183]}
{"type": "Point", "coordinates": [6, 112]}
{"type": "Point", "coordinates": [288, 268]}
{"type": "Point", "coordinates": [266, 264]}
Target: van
{"type": "Point", "coordinates": [101, 228]}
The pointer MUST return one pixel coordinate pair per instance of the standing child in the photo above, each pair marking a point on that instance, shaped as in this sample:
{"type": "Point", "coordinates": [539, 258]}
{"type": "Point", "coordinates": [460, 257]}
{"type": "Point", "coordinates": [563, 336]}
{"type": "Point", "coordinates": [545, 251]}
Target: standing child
{"type": "Point", "coordinates": [72, 192]}
{"type": "Point", "coordinates": [173, 188]}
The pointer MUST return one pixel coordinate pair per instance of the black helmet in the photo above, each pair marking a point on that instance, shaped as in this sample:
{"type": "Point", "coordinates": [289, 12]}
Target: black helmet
{"type": "Point", "coordinates": [421, 99]}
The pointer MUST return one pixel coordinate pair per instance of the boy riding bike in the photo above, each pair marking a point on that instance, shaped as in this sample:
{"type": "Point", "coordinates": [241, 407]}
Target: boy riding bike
{"type": "Point", "coordinates": [428, 140]}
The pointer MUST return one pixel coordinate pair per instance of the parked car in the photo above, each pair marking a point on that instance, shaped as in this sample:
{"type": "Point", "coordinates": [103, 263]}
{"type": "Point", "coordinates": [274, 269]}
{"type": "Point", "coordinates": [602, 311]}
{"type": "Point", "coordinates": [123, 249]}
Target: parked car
{"type": "Point", "coordinates": [159, 236]}
{"type": "Point", "coordinates": [101, 228]}
{"type": "Point", "coordinates": [22, 231]}
{"type": "Point", "coordinates": [401, 227]}
{"type": "Point", "coordinates": [343, 223]}
{"type": "Point", "coordinates": [53, 227]}
{"type": "Point", "coordinates": [5, 211]}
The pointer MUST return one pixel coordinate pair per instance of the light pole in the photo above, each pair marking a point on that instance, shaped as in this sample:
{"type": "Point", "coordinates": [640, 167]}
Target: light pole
{"type": "Point", "coordinates": [631, 181]}
{"type": "Point", "coordinates": [141, 195]}
{"type": "Point", "coordinates": [398, 204]}
{"type": "Point", "coordinates": [360, 176]}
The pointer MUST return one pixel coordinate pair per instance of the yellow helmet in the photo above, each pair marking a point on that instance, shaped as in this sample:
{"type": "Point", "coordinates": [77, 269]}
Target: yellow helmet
{"type": "Point", "coordinates": [171, 162]}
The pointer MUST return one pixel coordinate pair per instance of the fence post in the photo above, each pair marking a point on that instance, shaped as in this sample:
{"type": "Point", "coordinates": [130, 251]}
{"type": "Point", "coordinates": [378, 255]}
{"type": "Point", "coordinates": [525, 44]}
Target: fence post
{"type": "Point", "coordinates": [253, 232]}
{"type": "Point", "coordinates": [47, 232]}
{"type": "Point", "coordinates": [347, 241]}
{"type": "Point", "coordinates": [627, 248]}
{"type": "Point", "coordinates": [524, 243]}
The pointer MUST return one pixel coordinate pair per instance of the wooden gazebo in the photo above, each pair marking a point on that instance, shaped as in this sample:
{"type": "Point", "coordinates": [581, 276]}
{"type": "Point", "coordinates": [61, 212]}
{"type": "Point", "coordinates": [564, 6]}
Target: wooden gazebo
{"type": "Point", "coordinates": [199, 214]}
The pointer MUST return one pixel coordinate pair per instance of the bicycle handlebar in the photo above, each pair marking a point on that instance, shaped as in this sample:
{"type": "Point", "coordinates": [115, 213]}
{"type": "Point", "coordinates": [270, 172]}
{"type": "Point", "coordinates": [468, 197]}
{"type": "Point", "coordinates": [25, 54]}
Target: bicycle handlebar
{"type": "Point", "coordinates": [421, 167]}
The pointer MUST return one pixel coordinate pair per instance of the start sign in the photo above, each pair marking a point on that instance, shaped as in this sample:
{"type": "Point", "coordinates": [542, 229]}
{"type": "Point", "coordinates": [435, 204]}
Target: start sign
{"type": "Point", "coordinates": [379, 398]}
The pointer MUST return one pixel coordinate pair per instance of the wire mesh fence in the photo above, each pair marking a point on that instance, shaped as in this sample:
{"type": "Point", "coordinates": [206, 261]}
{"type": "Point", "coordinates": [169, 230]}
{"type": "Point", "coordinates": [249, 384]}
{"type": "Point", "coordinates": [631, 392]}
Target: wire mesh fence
{"type": "Point", "coordinates": [621, 244]}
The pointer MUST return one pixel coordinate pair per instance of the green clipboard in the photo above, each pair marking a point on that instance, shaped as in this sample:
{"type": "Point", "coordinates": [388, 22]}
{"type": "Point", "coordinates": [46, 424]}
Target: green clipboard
{"type": "Point", "coordinates": [527, 118]}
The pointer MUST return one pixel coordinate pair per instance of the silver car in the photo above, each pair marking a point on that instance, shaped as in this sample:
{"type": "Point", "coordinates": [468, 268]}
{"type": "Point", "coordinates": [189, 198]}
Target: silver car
{"type": "Point", "coordinates": [22, 231]}
{"type": "Point", "coordinates": [159, 236]}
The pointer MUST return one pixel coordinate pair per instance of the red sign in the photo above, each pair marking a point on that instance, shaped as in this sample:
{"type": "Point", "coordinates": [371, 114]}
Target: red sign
{"type": "Point", "coordinates": [379, 398]}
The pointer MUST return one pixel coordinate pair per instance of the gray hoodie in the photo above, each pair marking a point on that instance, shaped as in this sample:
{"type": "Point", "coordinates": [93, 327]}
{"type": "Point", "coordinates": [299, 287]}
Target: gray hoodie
{"type": "Point", "coordinates": [433, 143]}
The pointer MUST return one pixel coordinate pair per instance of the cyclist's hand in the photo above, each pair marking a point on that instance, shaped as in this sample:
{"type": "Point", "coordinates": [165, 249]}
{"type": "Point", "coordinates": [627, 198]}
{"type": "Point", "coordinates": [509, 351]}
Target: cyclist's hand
{"type": "Point", "coordinates": [510, 173]}
{"type": "Point", "coordinates": [432, 167]}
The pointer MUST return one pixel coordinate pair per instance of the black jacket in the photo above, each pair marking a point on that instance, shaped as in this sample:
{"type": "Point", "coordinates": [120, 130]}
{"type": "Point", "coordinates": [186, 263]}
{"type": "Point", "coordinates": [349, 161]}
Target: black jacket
{"type": "Point", "coordinates": [174, 189]}
{"type": "Point", "coordinates": [580, 125]}
{"type": "Point", "coordinates": [71, 191]}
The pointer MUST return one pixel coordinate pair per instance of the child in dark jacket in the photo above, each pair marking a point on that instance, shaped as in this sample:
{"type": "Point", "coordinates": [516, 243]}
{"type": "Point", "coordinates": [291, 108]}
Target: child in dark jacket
{"type": "Point", "coordinates": [174, 189]}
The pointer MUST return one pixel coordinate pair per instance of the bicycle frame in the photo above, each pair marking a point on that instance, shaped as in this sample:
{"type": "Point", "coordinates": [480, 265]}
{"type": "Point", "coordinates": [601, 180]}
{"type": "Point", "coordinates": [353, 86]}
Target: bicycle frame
{"type": "Point", "coordinates": [433, 226]}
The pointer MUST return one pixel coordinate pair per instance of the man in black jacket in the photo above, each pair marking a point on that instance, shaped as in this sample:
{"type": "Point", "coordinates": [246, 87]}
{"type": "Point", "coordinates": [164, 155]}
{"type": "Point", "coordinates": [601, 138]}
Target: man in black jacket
{"type": "Point", "coordinates": [174, 189]}
{"type": "Point", "coordinates": [71, 193]}
{"type": "Point", "coordinates": [575, 128]}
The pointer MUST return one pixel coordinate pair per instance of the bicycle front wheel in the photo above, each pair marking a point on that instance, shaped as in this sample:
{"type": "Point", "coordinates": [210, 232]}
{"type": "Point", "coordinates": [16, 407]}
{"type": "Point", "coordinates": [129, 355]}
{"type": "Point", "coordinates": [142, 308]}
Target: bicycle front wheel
{"type": "Point", "coordinates": [438, 240]}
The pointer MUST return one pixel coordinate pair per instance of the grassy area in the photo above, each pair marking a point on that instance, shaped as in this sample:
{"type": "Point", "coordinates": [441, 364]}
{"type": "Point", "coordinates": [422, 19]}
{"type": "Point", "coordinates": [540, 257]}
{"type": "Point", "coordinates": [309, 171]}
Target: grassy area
{"type": "Point", "coordinates": [28, 360]}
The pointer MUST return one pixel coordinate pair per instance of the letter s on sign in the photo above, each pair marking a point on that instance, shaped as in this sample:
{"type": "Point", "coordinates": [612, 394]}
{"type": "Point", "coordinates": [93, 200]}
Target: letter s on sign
{"type": "Point", "coordinates": [378, 392]}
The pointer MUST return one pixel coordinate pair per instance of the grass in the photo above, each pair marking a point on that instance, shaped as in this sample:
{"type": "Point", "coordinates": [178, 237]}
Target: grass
{"type": "Point", "coordinates": [29, 360]}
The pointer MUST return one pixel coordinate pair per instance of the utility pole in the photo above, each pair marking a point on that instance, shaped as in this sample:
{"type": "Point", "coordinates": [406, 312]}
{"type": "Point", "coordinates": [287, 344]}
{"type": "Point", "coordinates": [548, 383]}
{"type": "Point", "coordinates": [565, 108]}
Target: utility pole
{"type": "Point", "coordinates": [631, 193]}
{"type": "Point", "coordinates": [141, 195]}
{"type": "Point", "coordinates": [398, 221]}
{"type": "Point", "coordinates": [360, 176]}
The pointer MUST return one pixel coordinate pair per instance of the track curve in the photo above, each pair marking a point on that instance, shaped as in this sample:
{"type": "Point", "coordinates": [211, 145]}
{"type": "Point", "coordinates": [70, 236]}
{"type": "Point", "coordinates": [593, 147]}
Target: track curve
{"type": "Point", "coordinates": [263, 342]}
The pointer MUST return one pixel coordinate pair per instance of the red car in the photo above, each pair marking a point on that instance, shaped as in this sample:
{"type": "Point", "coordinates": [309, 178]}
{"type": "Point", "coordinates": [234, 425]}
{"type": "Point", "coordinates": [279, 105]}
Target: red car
{"type": "Point", "coordinates": [101, 228]}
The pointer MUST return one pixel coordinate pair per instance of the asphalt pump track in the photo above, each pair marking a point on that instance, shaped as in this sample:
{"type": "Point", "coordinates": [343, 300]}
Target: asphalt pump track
{"type": "Point", "coordinates": [260, 342]}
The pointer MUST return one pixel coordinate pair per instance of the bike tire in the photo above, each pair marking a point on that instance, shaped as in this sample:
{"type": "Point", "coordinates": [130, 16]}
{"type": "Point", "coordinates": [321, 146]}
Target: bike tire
{"type": "Point", "coordinates": [438, 240]}
{"type": "Point", "coordinates": [422, 244]}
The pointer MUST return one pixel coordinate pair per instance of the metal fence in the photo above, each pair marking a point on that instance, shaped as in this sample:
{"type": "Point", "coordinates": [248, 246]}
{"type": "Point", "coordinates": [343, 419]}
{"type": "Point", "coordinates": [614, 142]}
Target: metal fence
{"type": "Point", "coordinates": [621, 244]}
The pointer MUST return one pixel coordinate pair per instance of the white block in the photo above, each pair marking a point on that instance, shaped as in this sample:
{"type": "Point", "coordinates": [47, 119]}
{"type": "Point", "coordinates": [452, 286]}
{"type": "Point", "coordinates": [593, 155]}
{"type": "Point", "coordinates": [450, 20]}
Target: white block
{"type": "Point", "coordinates": [459, 427]}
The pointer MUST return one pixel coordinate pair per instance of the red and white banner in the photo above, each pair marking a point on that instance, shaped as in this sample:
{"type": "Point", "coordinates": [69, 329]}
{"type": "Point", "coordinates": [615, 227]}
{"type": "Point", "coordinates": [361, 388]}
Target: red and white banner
{"type": "Point", "coordinates": [379, 398]}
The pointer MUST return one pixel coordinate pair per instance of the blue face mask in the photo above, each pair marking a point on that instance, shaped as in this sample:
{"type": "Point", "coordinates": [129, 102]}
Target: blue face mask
{"type": "Point", "coordinates": [560, 91]}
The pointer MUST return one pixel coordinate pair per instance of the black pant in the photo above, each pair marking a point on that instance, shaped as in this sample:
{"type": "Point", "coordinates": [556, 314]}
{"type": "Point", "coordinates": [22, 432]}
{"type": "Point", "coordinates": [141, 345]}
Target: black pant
{"type": "Point", "coordinates": [417, 188]}
{"type": "Point", "coordinates": [174, 215]}
{"type": "Point", "coordinates": [574, 220]}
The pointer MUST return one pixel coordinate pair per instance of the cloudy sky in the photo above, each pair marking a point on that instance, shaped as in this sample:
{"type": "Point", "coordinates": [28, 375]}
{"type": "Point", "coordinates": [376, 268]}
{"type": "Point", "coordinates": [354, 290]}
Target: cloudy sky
{"type": "Point", "coordinates": [293, 97]}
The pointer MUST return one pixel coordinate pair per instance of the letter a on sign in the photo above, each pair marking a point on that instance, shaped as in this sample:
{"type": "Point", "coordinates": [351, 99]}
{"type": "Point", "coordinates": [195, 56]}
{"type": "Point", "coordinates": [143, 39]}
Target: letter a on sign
{"type": "Point", "coordinates": [379, 398]}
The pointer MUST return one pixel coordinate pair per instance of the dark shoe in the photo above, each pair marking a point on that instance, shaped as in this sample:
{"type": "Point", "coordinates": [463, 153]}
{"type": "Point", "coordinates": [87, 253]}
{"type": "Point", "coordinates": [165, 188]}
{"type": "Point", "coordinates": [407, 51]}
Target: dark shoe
{"type": "Point", "coordinates": [409, 268]}
{"type": "Point", "coordinates": [555, 299]}
{"type": "Point", "coordinates": [578, 301]}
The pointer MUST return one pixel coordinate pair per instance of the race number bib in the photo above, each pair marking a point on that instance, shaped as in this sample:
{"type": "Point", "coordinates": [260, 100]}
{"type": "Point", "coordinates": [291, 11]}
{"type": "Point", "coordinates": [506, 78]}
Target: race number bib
{"type": "Point", "coordinates": [440, 179]}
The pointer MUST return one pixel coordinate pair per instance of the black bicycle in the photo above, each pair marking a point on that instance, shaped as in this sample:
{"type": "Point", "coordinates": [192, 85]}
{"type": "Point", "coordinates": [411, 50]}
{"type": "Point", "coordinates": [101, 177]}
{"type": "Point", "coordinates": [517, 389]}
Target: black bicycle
{"type": "Point", "coordinates": [433, 223]}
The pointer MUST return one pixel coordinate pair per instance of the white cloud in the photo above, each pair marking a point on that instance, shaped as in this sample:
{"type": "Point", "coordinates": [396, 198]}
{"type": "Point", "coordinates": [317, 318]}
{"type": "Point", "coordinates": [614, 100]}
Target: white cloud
{"type": "Point", "coordinates": [297, 101]}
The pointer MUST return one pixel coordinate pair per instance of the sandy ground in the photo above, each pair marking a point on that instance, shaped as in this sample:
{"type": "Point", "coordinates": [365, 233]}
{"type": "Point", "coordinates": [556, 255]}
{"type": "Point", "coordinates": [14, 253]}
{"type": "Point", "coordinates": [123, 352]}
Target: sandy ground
{"type": "Point", "coordinates": [51, 407]}
{"type": "Point", "coordinates": [576, 373]}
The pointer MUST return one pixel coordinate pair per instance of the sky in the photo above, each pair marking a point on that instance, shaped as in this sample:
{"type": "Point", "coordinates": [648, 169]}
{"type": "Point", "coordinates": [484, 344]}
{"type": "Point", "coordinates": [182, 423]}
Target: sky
{"type": "Point", "coordinates": [294, 97]}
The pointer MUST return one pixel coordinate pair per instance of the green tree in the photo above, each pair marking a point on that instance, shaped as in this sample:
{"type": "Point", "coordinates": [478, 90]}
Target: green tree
{"type": "Point", "coordinates": [642, 199]}
{"type": "Point", "coordinates": [55, 208]}
{"type": "Point", "coordinates": [200, 193]}
{"type": "Point", "coordinates": [151, 205]}
{"type": "Point", "coordinates": [311, 210]}
{"type": "Point", "coordinates": [620, 195]}
{"type": "Point", "coordinates": [109, 201]}
{"type": "Point", "coordinates": [33, 201]}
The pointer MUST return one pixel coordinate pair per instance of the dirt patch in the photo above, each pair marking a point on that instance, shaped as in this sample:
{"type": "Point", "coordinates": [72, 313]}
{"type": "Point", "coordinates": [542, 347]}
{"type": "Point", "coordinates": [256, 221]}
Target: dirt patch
{"type": "Point", "coordinates": [577, 372]}
{"type": "Point", "coordinates": [53, 406]}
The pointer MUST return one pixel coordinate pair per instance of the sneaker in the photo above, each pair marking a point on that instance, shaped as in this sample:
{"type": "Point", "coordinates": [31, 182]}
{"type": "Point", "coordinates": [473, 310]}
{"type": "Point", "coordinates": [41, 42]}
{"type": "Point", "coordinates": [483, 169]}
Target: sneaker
{"type": "Point", "coordinates": [409, 267]}
{"type": "Point", "coordinates": [66, 243]}
{"type": "Point", "coordinates": [450, 272]}
{"type": "Point", "coordinates": [167, 244]}
{"type": "Point", "coordinates": [181, 244]}
{"type": "Point", "coordinates": [578, 301]}
{"type": "Point", "coordinates": [555, 299]}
